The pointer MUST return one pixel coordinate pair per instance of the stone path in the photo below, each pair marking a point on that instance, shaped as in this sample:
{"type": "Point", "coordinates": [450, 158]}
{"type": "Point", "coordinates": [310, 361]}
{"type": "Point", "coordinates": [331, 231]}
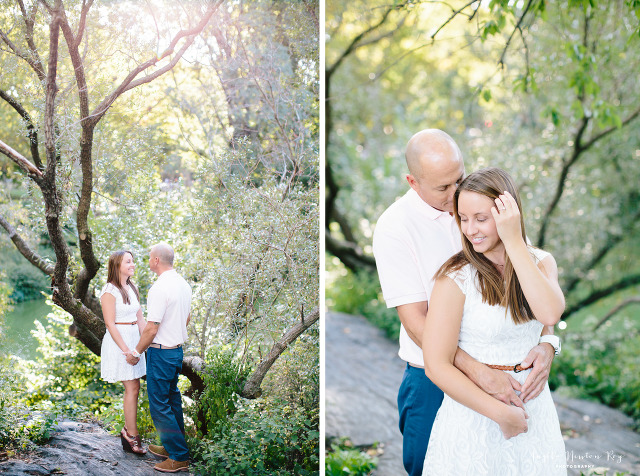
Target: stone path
{"type": "Point", "coordinates": [81, 449]}
{"type": "Point", "coordinates": [363, 374]}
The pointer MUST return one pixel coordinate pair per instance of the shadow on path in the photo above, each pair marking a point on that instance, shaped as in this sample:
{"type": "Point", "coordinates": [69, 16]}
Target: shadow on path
{"type": "Point", "coordinates": [363, 373]}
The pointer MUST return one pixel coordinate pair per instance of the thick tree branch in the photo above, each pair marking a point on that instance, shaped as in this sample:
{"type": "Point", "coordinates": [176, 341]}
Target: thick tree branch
{"type": "Point", "coordinates": [624, 283]}
{"type": "Point", "coordinates": [31, 170]}
{"type": "Point", "coordinates": [251, 388]}
{"type": "Point", "coordinates": [83, 22]}
{"type": "Point", "coordinates": [350, 254]}
{"type": "Point", "coordinates": [612, 239]}
{"type": "Point", "coordinates": [29, 21]}
{"type": "Point", "coordinates": [21, 54]}
{"type": "Point", "coordinates": [85, 242]}
{"type": "Point", "coordinates": [615, 310]}
{"type": "Point", "coordinates": [566, 165]}
{"type": "Point", "coordinates": [34, 258]}
{"type": "Point", "coordinates": [31, 130]}
{"type": "Point", "coordinates": [578, 148]}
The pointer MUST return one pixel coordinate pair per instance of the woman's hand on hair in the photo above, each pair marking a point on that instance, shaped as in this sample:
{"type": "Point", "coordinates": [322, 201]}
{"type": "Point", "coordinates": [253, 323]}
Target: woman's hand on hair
{"type": "Point", "coordinates": [507, 217]}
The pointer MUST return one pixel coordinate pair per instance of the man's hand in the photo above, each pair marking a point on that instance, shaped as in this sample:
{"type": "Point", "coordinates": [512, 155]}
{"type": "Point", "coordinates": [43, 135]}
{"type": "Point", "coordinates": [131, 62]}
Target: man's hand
{"type": "Point", "coordinates": [500, 385]}
{"type": "Point", "coordinates": [496, 383]}
{"type": "Point", "coordinates": [541, 356]}
{"type": "Point", "coordinates": [131, 359]}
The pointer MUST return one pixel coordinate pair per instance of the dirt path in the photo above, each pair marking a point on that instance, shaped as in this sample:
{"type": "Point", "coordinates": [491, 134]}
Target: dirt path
{"type": "Point", "coordinates": [363, 374]}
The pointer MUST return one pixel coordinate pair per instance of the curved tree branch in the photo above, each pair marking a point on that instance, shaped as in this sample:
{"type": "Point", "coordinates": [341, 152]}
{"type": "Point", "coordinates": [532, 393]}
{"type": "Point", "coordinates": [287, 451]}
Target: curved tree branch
{"type": "Point", "coordinates": [29, 21]}
{"type": "Point", "coordinates": [31, 170]}
{"type": "Point", "coordinates": [129, 83]}
{"type": "Point", "coordinates": [350, 254]}
{"type": "Point", "coordinates": [578, 148]}
{"type": "Point", "coordinates": [31, 130]}
{"type": "Point", "coordinates": [251, 388]}
{"type": "Point", "coordinates": [85, 241]}
{"type": "Point", "coordinates": [25, 250]}
{"type": "Point", "coordinates": [612, 239]}
{"type": "Point", "coordinates": [624, 283]}
{"type": "Point", "coordinates": [615, 310]}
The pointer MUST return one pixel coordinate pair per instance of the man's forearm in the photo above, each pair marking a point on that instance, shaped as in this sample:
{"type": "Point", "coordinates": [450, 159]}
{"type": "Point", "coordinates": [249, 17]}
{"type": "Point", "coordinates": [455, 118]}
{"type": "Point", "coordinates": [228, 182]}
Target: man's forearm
{"type": "Point", "coordinates": [467, 365]}
{"type": "Point", "coordinates": [149, 333]}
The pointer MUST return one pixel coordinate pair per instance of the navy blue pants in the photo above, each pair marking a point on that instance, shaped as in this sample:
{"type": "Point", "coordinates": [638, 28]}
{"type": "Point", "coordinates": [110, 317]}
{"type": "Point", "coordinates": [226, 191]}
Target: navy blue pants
{"type": "Point", "coordinates": [418, 402]}
{"type": "Point", "coordinates": [165, 401]}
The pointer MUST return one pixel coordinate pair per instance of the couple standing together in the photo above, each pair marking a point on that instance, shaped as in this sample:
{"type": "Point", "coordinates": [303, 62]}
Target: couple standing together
{"type": "Point", "coordinates": [477, 306]}
{"type": "Point", "coordinates": [161, 336]}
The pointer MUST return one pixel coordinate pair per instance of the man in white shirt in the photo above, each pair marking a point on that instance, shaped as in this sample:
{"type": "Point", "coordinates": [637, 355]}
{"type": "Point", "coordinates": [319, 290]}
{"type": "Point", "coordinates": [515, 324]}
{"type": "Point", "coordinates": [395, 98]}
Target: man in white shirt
{"type": "Point", "coordinates": [168, 314]}
{"type": "Point", "coordinates": [412, 239]}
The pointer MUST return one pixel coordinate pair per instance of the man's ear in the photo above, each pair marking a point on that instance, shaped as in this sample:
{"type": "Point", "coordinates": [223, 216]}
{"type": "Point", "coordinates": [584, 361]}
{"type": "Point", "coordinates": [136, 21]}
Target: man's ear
{"type": "Point", "coordinates": [413, 183]}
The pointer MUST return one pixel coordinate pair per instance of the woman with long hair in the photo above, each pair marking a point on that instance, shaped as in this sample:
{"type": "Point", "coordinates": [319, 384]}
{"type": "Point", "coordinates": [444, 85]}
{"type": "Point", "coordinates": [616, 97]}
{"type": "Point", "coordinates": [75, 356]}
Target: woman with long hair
{"type": "Point", "coordinates": [492, 300]}
{"type": "Point", "coordinates": [124, 321]}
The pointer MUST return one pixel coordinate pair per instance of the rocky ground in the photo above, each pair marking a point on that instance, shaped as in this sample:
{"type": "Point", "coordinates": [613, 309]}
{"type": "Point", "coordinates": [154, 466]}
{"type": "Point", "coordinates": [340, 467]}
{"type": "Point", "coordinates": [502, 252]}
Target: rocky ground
{"type": "Point", "coordinates": [81, 449]}
{"type": "Point", "coordinates": [363, 374]}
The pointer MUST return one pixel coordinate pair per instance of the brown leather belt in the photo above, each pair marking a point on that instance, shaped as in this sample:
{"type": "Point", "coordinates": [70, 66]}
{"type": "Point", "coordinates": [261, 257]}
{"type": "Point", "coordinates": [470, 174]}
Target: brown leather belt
{"type": "Point", "coordinates": [126, 323]}
{"type": "Point", "coordinates": [516, 368]}
{"type": "Point", "coordinates": [160, 346]}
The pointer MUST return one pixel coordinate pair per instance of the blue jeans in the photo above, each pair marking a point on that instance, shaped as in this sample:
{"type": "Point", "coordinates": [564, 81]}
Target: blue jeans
{"type": "Point", "coordinates": [165, 401]}
{"type": "Point", "coordinates": [418, 402]}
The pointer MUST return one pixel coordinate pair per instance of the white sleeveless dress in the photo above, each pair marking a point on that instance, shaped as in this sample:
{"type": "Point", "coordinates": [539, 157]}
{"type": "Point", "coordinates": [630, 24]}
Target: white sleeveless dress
{"type": "Point", "coordinates": [463, 442]}
{"type": "Point", "coordinates": [113, 365]}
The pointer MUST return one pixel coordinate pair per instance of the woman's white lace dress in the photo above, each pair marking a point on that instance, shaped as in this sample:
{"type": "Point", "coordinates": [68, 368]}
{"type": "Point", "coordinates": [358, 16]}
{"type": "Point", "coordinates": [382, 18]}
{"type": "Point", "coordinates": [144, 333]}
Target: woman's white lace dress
{"type": "Point", "coordinates": [113, 365]}
{"type": "Point", "coordinates": [463, 442]}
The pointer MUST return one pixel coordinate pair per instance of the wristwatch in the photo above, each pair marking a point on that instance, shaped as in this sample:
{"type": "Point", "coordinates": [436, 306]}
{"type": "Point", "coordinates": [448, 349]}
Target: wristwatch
{"type": "Point", "coordinates": [135, 353]}
{"type": "Point", "coordinates": [553, 340]}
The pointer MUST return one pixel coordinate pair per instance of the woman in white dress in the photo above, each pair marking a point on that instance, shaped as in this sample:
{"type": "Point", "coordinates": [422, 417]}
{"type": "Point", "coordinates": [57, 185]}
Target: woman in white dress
{"type": "Point", "coordinates": [124, 321]}
{"type": "Point", "coordinates": [492, 300]}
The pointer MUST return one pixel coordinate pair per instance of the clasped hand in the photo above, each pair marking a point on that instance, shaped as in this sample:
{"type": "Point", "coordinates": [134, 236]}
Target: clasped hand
{"type": "Point", "coordinates": [130, 358]}
{"type": "Point", "coordinates": [507, 218]}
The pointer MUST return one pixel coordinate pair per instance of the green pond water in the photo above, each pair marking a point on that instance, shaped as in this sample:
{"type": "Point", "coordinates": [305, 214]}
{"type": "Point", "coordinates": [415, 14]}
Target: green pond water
{"type": "Point", "coordinates": [18, 324]}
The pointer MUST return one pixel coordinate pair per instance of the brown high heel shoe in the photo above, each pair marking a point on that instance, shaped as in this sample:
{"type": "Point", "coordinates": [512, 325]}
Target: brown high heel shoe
{"type": "Point", "coordinates": [132, 444]}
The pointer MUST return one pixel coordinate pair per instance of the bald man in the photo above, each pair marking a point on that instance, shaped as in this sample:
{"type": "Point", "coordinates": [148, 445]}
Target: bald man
{"type": "Point", "coordinates": [412, 239]}
{"type": "Point", "coordinates": [168, 314]}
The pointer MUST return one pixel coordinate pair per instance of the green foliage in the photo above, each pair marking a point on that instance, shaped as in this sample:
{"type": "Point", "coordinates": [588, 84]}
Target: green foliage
{"type": "Point", "coordinates": [359, 293]}
{"type": "Point", "coordinates": [5, 301]}
{"type": "Point", "coordinates": [21, 425]}
{"type": "Point", "coordinates": [263, 438]}
{"type": "Point", "coordinates": [112, 415]}
{"type": "Point", "coordinates": [295, 376]}
{"type": "Point", "coordinates": [223, 376]}
{"type": "Point", "coordinates": [343, 460]}
{"type": "Point", "coordinates": [218, 158]}
{"type": "Point", "coordinates": [68, 374]}
{"type": "Point", "coordinates": [25, 281]}
{"type": "Point", "coordinates": [560, 119]}
{"type": "Point", "coordinates": [602, 366]}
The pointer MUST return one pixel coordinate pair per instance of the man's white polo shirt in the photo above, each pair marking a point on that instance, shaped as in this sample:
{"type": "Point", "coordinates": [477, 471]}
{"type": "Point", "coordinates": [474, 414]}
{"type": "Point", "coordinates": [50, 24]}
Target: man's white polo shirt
{"type": "Point", "coordinates": [169, 303]}
{"type": "Point", "coordinates": [410, 243]}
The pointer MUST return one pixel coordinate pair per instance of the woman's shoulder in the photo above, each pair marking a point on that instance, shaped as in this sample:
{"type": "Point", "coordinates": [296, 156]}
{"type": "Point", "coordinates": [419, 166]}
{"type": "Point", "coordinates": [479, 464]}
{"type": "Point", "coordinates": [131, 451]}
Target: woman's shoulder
{"type": "Point", "coordinates": [110, 288]}
{"type": "Point", "coordinates": [538, 254]}
{"type": "Point", "coordinates": [461, 276]}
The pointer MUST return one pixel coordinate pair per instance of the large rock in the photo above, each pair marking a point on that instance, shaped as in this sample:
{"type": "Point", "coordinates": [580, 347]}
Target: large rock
{"type": "Point", "coordinates": [81, 449]}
